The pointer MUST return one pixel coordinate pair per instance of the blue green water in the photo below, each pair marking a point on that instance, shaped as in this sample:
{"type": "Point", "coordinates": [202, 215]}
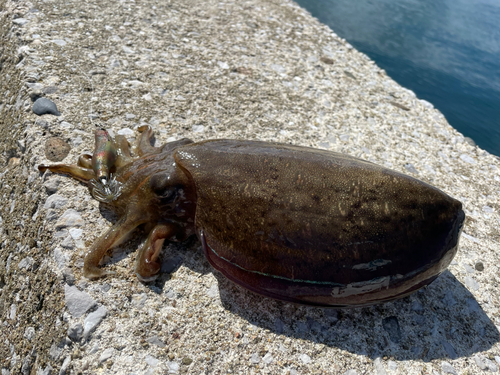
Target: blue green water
{"type": "Point", "coordinates": [446, 51]}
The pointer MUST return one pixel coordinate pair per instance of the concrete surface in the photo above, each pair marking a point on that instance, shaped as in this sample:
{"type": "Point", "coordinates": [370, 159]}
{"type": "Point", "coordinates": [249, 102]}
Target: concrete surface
{"type": "Point", "coordinates": [250, 69]}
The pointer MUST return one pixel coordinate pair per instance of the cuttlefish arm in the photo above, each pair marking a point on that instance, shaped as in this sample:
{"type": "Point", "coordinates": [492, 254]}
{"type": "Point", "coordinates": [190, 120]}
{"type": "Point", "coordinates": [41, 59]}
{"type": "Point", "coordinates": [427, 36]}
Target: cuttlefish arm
{"type": "Point", "coordinates": [111, 238]}
{"type": "Point", "coordinates": [147, 264]}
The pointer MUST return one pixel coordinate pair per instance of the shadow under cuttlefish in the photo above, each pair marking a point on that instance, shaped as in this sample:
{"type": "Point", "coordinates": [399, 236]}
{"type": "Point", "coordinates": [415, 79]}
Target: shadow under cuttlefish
{"type": "Point", "coordinates": [442, 320]}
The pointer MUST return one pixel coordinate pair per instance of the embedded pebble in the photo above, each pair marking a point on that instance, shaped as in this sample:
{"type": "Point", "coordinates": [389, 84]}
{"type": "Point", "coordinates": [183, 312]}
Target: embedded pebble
{"type": "Point", "coordinates": [155, 340]}
{"type": "Point", "coordinates": [488, 209]}
{"type": "Point", "coordinates": [51, 185]}
{"type": "Point", "coordinates": [411, 168]}
{"type": "Point", "coordinates": [127, 49]}
{"type": "Point", "coordinates": [20, 21]}
{"type": "Point", "coordinates": [350, 372]}
{"type": "Point", "coordinates": [59, 42]}
{"type": "Point", "coordinates": [49, 90]}
{"type": "Point", "coordinates": [198, 128]}
{"type": "Point", "coordinates": [75, 233]}
{"type": "Point", "coordinates": [480, 362]}
{"type": "Point", "coordinates": [471, 283]}
{"type": "Point", "coordinates": [448, 368]}
{"type": "Point", "coordinates": [417, 306]}
{"type": "Point", "coordinates": [66, 125]}
{"type": "Point", "coordinates": [468, 268]}
{"type": "Point", "coordinates": [426, 104]}
{"type": "Point", "coordinates": [344, 137]}
{"type": "Point", "coordinates": [470, 141]}
{"type": "Point", "coordinates": [93, 320]}
{"type": "Point", "coordinates": [332, 314]}
{"type": "Point", "coordinates": [46, 371]}
{"type": "Point", "coordinates": [77, 141]}
{"type": "Point", "coordinates": [70, 218]}
{"type": "Point", "coordinates": [65, 365]}
{"type": "Point", "coordinates": [150, 360]}
{"type": "Point", "coordinates": [278, 68]}
{"type": "Point", "coordinates": [29, 333]}
{"type": "Point", "coordinates": [472, 305]}
{"type": "Point", "coordinates": [170, 294]}
{"type": "Point", "coordinates": [106, 354]}
{"type": "Point", "coordinates": [55, 201]}
{"type": "Point", "coordinates": [268, 358]}
{"type": "Point", "coordinates": [187, 361]}
{"type": "Point", "coordinates": [56, 149]}
{"type": "Point", "coordinates": [479, 266]}
{"type": "Point", "coordinates": [138, 300]}
{"type": "Point", "coordinates": [44, 106]}
{"type": "Point", "coordinates": [60, 258]}
{"type": "Point", "coordinates": [55, 351]}
{"type": "Point", "coordinates": [68, 243]}
{"type": "Point", "coordinates": [469, 237]}
{"type": "Point", "coordinates": [491, 365]}
{"type": "Point", "coordinates": [391, 326]}
{"type": "Point", "coordinates": [25, 263]}
{"type": "Point", "coordinates": [173, 367]}
{"type": "Point", "coordinates": [304, 358]}
{"type": "Point", "coordinates": [222, 65]}
{"type": "Point", "coordinates": [104, 288]}
{"type": "Point", "coordinates": [379, 367]}
{"type": "Point", "coordinates": [77, 302]}
{"type": "Point", "coordinates": [450, 350]}
{"type": "Point", "coordinates": [213, 291]}
{"type": "Point", "coordinates": [279, 327]}
{"type": "Point", "coordinates": [449, 300]}
{"type": "Point", "coordinates": [126, 131]}
{"type": "Point", "coordinates": [255, 358]}
{"type": "Point", "coordinates": [75, 332]}
{"type": "Point", "coordinates": [467, 159]}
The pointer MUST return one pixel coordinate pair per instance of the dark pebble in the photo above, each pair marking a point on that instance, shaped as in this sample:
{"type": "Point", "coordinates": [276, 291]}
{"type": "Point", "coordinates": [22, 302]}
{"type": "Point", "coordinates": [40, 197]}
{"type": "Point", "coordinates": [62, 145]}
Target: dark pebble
{"type": "Point", "coordinates": [349, 74]}
{"type": "Point", "coordinates": [243, 70]}
{"type": "Point", "coordinates": [479, 266]}
{"type": "Point", "coordinates": [326, 60]}
{"type": "Point", "coordinates": [43, 106]}
{"type": "Point", "coordinates": [391, 326]}
{"type": "Point", "coordinates": [56, 149]}
{"type": "Point", "coordinates": [186, 361]}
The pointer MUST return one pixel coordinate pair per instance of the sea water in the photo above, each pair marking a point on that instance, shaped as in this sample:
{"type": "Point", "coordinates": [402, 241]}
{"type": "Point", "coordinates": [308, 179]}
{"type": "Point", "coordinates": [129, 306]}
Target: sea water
{"type": "Point", "coordinates": [446, 51]}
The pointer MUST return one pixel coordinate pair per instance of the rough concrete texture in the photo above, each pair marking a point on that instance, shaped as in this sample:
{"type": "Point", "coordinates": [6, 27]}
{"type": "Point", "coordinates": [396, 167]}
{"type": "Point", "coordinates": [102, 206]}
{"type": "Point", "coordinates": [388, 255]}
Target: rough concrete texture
{"type": "Point", "coordinates": [250, 69]}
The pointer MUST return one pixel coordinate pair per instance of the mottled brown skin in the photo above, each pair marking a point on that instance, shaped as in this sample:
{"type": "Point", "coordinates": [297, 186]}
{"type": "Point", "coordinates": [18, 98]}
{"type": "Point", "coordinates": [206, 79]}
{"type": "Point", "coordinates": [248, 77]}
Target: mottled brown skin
{"type": "Point", "coordinates": [292, 223]}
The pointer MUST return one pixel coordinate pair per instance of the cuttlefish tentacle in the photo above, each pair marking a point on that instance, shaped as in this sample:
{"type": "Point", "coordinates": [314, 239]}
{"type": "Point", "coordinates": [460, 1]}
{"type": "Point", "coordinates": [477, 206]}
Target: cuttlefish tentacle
{"type": "Point", "coordinates": [123, 155]}
{"type": "Point", "coordinates": [85, 161]}
{"type": "Point", "coordinates": [75, 171]}
{"type": "Point", "coordinates": [147, 265]}
{"type": "Point", "coordinates": [143, 144]}
{"type": "Point", "coordinates": [113, 237]}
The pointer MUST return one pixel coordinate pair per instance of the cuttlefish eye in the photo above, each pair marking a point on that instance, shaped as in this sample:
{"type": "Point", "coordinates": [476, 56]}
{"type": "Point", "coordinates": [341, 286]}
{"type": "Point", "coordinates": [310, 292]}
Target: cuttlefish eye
{"type": "Point", "coordinates": [161, 185]}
